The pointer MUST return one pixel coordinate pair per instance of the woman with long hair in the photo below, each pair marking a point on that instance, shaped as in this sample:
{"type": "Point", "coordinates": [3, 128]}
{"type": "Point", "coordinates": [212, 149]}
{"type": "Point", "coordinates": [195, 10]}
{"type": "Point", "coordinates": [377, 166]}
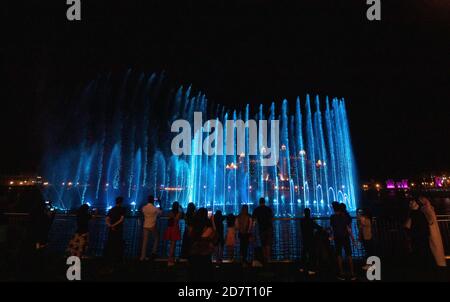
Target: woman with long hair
{"type": "Point", "coordinates": [188, 218]}
{"type": "Point", "coordinates": [202, 237]}
{"type": "Point", "coordinates": [78, 245]}
{"type": "Point", "coordinates": [172, 233]}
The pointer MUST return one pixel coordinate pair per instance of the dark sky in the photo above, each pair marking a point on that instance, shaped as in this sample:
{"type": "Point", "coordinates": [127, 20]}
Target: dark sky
{"type": "Point", "coordinates": [394, 74]}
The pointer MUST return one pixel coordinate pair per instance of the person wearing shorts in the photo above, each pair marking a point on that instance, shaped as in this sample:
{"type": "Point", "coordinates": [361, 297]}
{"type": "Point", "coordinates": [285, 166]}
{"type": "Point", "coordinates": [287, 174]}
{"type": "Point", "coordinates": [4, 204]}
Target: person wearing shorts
{"type": "Point", "coordinates": [341, 226]}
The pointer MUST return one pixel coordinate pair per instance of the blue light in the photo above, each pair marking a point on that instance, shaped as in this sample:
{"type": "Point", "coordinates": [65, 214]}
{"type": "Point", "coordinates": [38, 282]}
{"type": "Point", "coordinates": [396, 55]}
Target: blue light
{"type": "Point", "coordinates": [316, 164]}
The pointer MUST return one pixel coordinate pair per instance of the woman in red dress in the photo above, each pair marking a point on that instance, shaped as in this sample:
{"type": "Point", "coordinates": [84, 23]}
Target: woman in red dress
{"type": "Point", "coordinates": [172, 232]}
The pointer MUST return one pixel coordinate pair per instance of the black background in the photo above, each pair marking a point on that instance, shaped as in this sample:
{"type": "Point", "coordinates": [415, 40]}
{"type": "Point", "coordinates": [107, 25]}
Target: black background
{"type": "Point", "coordinates": [394, 73]}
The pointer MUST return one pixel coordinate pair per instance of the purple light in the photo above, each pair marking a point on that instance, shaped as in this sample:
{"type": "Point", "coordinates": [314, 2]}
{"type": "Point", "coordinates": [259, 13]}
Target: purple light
{"type": "Point", "coordinates": [439, 182]}
{"type": "Point", "coordinates": [403, 184]}
{"type": "Point", "coordinates": [390, 184]}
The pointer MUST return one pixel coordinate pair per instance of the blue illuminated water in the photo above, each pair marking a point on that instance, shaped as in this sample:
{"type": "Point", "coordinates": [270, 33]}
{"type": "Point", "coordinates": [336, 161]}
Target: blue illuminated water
{"type": "Point", "coordinates": [121, 146]}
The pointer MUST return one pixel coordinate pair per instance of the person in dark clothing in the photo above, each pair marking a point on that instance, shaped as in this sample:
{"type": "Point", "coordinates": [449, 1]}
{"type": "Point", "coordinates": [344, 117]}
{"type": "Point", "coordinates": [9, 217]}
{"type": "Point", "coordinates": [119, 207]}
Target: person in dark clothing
{"type": "Point", "coordinates": [202, 236]}
{"type": "Point", "coordinates": [79, 242]}
{"type": "Point", "coordinates": [308, 257]}
{"type": "Point", "coordinates": [114, 221]}
{"type": "Point", "coordinates": [342, 234]}
{"type": "Point", "coordinates": [244, 228]}
{"type": "Point", "coordinates": [346, 213]}
{"type": "Point", "coordinates": [220, 242]}
{"type": "Point", "coordinates": [41, 219]}
{"type": "Point", "coordinates": [188, 218]}
{"type": "Point", "coordinates": [263, 217]}
{"type": "Point", "coordinates": [324, 251]}
{"type": "Point", "coordinates": [230, 240]}
{"type": "Point", "coordinates": [419, 234]}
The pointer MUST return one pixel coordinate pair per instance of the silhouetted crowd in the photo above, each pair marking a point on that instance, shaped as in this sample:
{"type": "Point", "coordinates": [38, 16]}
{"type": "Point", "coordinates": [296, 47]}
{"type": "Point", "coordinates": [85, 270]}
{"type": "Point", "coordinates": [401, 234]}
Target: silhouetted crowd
{"type": "Point", "coordinates": [205, 237]}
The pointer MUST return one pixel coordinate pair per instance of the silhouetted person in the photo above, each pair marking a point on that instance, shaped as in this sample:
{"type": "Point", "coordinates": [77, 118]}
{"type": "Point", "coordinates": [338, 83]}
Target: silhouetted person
{"type": "Point", "coordinates": [230, 240]}
{"type": "Point", "coordinates": [244, 224]}
{"type": "Point", "coordinates": [202, 237]}
{"type": "Point", "coordinates": [114, 221]}
{"type": "Point", "coordinates": [342, 234]}
{"type": "Point", "coordinates": [421, 257]}
{"type": "Point", "coordinates": [263, 216]}
{"type": "Point", "coordinates": [218, 220]}
{"type": "Point", "coordinates": [151, 214]}
{"type": "Point", "coordinates": [308, 257]}
{"type": "Point", "coordinates": [188, 218]}
{"type": "Point", "coordinates": [78, 245]}
{"type": "Point", "coordinates": [41, 219]}
{"type": "Point", "coordinates": [173, 233]}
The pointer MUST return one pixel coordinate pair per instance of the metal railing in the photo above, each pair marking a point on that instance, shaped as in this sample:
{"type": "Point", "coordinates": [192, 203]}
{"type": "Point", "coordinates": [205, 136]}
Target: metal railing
{"type": "Point", "coordinates": [390, 238]}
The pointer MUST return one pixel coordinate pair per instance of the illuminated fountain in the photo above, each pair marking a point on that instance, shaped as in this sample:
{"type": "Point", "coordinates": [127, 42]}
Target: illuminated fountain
{"type": "Point", "coordinates": [121, 146]}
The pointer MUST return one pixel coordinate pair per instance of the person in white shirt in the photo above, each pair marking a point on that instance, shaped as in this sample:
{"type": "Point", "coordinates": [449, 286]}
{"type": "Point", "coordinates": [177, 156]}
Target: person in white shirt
{"type": "Point", "coordinates": [151, 214]}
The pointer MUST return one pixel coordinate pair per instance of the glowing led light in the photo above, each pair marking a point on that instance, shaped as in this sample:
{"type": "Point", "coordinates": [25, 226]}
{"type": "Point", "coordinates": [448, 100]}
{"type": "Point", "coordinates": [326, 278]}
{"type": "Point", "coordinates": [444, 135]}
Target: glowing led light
{"type": "Point", "coordinates": [11, 182]}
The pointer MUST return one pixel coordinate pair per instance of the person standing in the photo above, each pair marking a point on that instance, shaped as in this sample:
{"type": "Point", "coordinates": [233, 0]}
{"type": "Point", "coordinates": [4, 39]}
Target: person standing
{"type": "Point", "coordinates": [435, 241]}
{"type": "Point", "coordinates": [188, 218]}
{"type": "Point", "coordinates": [202, 236]}
{"type": "Point", "coordinates": [244, 228]}
{"type": "Point", "coordinates": [308, 257]}
{"type": "Point", "coordinates": [151, 214]}
{"type": "Point", "coordinates": [218, 227]}
{"type": "Point", "coordinates": [79, 243]}
{"type": "Point", "coordinates": [364, 220]}
{"type": "Point", "coordinates": [342, 234]}
{"type": "Point", "coordinates": [230, 241]}
{"type": "Point", "coordinates": [114, 221]}
{"type": "Point", "coordinates": [421, 258]}
{"type": "Point", "coordinates": [263, 217]}
{"type": "Point", "coordinates": [172, 233]}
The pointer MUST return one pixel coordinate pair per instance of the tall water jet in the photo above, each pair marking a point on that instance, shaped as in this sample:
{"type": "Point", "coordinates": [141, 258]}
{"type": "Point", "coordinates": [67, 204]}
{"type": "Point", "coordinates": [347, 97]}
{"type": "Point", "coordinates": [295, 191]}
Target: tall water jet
{"type": "Point", "coordinates": [124, 149]}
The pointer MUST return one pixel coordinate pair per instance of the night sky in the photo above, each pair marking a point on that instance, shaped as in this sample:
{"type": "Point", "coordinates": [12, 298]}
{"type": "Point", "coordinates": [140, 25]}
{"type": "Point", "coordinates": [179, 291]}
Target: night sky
{"type": "Point", "coordinates": [394, 74]}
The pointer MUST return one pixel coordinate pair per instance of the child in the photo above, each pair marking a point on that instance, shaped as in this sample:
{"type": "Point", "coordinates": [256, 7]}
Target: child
{"type": "Point", "coordinates": [230, 241]}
